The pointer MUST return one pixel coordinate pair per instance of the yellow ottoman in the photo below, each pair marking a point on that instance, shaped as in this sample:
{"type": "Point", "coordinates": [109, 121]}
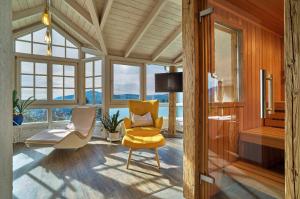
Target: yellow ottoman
{"type": "Point", "coordinates": [143, 138]}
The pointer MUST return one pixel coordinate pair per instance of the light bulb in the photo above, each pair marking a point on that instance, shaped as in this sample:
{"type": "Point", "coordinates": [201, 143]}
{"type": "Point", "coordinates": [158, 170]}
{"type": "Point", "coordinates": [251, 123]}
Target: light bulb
{"type": "Point", "coordinates": [48, 37]}
{"type": "Point", "coordinates": [49, 50]}
{"type": "Point", "coordinates": [46, 18]}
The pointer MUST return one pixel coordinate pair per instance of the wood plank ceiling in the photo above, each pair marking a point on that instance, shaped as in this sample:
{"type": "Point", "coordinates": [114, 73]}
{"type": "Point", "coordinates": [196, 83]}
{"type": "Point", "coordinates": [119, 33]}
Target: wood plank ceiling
{"type": "Point", "coordinates": [147, 29]}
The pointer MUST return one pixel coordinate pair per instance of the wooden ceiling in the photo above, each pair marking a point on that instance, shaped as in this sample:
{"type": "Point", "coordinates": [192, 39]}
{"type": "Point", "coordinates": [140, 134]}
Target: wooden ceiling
{"type": "Point", "coordinates": [269, 13]}
{"type": "Point", "coordinates": [148, 29]}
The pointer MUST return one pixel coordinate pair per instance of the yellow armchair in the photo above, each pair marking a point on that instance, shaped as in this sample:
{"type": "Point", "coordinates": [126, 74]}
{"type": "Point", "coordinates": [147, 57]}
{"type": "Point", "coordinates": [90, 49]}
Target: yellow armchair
{"type": "Point", "coordinates": [148, 137]}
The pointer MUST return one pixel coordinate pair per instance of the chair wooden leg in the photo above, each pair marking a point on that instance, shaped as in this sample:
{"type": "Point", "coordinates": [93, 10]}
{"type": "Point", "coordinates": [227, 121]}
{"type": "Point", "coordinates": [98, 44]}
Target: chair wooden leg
{"type": "Point", "coordinates": [157, 158]}
{"type": "Point", "coordinates": [129, 157]}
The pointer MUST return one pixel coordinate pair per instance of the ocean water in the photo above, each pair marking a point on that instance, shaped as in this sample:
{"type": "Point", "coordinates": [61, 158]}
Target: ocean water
{"type": "Point", "coordinates": [163, 111]}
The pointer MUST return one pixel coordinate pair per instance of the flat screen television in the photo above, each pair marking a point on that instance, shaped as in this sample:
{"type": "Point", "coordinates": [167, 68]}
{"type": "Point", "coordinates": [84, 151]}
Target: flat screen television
{"type": "Point", "coordinates": [168, 82]}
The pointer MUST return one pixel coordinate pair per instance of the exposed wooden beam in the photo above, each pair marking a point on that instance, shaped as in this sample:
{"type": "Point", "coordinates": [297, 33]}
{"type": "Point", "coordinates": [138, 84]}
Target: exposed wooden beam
{"type": "Point", "coordinates": [174, 35]}
{"type": "Point", "coordinates": [92, 9]}
{"type": "Point", "coordinates": [80, 10]}
{"type": "Point", "coordinates": [292, 97]}
{"type": "Point", "coordinates": [144, 27]}
{"type": "Point", "coordinates": [65, 20]}
{"type": "Point", "coordinates": [178, 58]}
{"type": "Point", "coordinates": [27, 29]}
{"type": "Point", "coordinates": [105, 13]}
{"type": "Point", "coordinates": [17, 15]}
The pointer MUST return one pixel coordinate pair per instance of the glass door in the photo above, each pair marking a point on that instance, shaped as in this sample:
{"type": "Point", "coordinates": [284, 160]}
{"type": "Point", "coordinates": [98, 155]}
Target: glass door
{"type": "Point", "coordinates": [223, 109]}
{"type": "Point", "coordinates": [242, 162]}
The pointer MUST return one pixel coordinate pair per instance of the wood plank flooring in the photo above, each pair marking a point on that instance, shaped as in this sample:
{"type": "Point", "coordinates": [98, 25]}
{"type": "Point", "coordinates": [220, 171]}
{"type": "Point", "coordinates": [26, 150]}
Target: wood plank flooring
{"type": "Point", "coordinates": [97, 171]}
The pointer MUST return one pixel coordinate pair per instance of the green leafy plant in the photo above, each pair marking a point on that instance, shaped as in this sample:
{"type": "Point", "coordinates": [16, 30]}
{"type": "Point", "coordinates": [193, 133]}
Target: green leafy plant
{"type": "Point", "coordinates": [110, 123]}
{"type": "Point", "coordinates": [20, 106]}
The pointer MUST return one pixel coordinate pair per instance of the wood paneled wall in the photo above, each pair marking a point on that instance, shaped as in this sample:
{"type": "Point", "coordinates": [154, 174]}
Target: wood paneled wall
{"type": "Point", "coordinates": [261, 49]}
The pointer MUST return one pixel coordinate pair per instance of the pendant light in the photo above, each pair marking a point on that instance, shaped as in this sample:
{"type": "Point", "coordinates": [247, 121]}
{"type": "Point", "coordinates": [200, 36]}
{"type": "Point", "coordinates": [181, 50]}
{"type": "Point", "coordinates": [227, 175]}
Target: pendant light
{"type": "Point", "coordinates": [46, 18]}
{"type": "Point", "coordinates": [48, 36]}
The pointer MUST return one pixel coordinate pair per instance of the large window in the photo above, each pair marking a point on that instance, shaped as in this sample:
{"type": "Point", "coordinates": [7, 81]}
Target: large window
{"type": "Point", "coordinates": [33, 79]}
{"type": "Point", "coordinates": [63, 82]}
{"type": "Point", "coordinates": [126, 82]}
{"type": "Point", "coordinates": [47, 81]}
{"type": "Point", "coordinates": [93, 82]}
{"type": "Point", "coordinates": [150, 83]}
{"type": "Point", "coordinates": [224, 78]}
{"type": "Point", "coordinates": [34, 43]}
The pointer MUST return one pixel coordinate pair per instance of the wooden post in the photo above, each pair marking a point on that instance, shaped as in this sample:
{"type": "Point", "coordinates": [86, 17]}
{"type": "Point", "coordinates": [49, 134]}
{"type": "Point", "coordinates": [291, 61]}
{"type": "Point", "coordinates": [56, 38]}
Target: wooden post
{"type": "Point", "coordinates": [196, 62]}
{"type": "Point", "coordinates": [172, 109]}
{"type": "Point", "coordinates": [292, 86]}
{"type": "Point", "coordinates": [6, 77]}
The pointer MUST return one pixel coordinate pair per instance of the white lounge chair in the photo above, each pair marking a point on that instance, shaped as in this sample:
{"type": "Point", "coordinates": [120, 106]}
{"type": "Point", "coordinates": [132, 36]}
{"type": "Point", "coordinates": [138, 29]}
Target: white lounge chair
{"type": "Point", "coordinates": [75, 136]}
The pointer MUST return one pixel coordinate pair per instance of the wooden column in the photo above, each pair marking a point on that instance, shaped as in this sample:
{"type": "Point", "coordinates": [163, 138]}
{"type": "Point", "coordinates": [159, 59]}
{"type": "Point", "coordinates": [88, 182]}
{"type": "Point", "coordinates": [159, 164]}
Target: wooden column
{"type": "Point", "coordinates": [172, 109]}
{"type": "Point", "coordinates": [6, 83]}
{"type": "Point", "coordinates": [196, 61]}
{"type": "Point", "coordinates": [292, 86]}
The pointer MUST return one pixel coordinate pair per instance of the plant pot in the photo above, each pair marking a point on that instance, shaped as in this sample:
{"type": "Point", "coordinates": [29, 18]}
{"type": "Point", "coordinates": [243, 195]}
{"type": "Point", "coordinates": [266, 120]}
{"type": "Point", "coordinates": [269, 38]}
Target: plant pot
{"type": "Point", "coordinates": [113, 136]}
{"type": "Point", "coordinates": [18, 119]}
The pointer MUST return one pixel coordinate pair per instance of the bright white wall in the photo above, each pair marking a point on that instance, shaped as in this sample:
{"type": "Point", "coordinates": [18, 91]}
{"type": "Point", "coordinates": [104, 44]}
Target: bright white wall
{"type": "Point", "coordinates": [6, 74]}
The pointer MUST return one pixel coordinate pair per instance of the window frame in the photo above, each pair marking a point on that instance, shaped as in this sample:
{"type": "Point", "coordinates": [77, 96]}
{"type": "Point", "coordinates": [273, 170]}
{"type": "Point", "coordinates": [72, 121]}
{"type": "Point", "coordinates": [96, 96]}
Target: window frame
{"type": "Point", "coordinates": [93, 60]}
{"type": "Point", "coordinates": [59, 31]}
{"type": "Point", "coordinates": [49, 101]}
{"type": "Point", "coordinates": [237, 54]}
{"type": "Point", "coordinates": [120, 103]}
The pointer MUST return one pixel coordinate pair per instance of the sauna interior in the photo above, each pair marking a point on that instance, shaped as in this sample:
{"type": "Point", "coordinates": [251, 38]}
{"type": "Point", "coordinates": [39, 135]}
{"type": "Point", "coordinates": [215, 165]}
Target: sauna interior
{"type": "Point", "coordinates": [104, 53]}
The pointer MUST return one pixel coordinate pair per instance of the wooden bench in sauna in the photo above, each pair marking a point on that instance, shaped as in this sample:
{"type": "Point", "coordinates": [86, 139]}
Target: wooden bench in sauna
{"type": "Point", "coordinates": [272, 133]}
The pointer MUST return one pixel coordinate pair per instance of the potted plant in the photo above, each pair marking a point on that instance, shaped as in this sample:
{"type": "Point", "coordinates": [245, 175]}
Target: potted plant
{"type": "Point", "coordinates": [110, 123]}
{"type": "Point", "coordinates": [19, 108]}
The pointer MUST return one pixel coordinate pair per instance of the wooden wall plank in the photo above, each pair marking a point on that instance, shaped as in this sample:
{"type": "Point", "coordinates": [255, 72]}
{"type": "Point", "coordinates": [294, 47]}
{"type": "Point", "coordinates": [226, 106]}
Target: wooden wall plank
{"type": "Point", "coordinates": [261, 49]}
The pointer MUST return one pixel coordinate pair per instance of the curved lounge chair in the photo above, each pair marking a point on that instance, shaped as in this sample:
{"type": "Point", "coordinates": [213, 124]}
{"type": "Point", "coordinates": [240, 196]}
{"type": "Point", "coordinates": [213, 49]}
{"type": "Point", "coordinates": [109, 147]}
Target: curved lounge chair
{"type": "Point", "coordinates": [74, 137]}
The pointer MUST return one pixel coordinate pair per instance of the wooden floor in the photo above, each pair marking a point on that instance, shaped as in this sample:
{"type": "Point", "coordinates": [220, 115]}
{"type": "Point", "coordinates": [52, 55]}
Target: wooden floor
{"type": "Point", "coordinates": [97, 171]}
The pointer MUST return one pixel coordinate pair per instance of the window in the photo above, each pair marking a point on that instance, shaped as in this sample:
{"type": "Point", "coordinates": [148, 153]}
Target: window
{"type": "Point", "coordinates": [63, 82]}
{"type": "Point", "coordinates": [87, 55]}
{"type": "Point", "coordinates": [124, 112]}
{"type": "Point", "coordinates": [33, 79]}
{"type": "Point", "coordinates": [35, 115]}
{"type": "Point", "coordinates": [61, 114]}
{"type": "Point", "coordinates": [34, 43]}
{"type": "Point", "coordinates": [150, 86]}
{"type": "Point", "coordinates": [224, 79]}
{"type": "Point", "coordinates": [126, 82]}
{"type": "Point", "coordinates": [93, 82]}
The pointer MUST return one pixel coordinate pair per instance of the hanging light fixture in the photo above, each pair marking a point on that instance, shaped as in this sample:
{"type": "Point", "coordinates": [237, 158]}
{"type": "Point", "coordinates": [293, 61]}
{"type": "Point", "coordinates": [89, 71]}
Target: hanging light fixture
{"type": "Point", "coordinates": [49, 50]}
{"type": "Point", "coordinates": [48, 36]}
{"type": "Point", "coordinates": [46, 18]}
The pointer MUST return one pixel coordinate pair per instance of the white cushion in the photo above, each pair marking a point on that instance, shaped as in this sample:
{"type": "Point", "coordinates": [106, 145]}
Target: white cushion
{"type": "Point", "coordinates": [141, 120]}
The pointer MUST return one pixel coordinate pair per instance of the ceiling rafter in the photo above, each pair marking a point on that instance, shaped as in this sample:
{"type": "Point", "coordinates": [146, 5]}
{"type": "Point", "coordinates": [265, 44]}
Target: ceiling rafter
{"type": "Point", "coordinates": [27, 29]}
{"type": "Point", "coordinates": [178, 58]}
{"type": "Point", "coordinates": [173, 36]}
{"type": "Point", "coordinates": [18, 15]}
{"type": "Point", "coordinates": [145, 26]}
{"type": "Point", "coordinates": [80, 10]}
{"type": "Point", "coordinates": [68, 22]}
{"type": "Point", "coordinates": [105, 13]}
{"type": "Point", "coordinates": [92, 9]}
